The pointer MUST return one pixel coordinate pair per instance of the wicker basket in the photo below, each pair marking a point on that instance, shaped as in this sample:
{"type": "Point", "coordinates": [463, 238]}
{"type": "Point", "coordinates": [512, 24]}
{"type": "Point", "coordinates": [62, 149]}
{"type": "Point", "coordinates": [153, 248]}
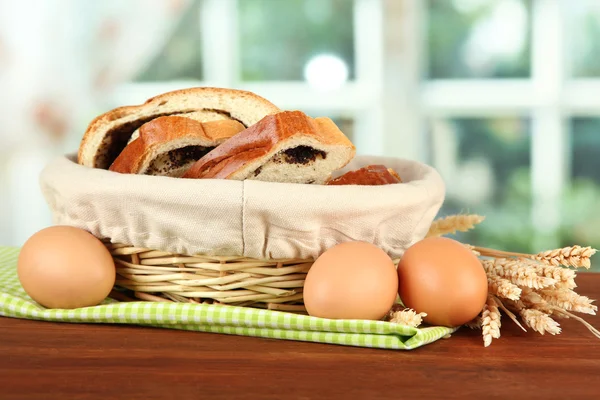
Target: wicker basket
{"type": "Point", "coordinates": [153, 275]}
{"type": "Point", "coordinates": [242, 243]}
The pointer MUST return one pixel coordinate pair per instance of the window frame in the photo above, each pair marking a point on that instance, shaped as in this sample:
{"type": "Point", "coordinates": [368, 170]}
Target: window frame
{"type": "Point", "coordinates": [550, 97]}
{"type": "Point", "coordinates": [360, 98]}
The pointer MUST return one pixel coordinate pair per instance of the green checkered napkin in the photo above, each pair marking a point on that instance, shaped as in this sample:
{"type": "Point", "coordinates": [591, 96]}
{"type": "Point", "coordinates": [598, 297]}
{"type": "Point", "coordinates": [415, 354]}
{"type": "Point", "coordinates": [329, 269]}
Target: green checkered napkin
{"type": "Point", "coordinates": [14, 302]}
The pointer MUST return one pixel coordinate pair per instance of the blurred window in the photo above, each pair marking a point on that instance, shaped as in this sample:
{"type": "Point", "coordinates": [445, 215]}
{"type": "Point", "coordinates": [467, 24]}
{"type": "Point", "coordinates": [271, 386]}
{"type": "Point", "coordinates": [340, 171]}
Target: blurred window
{"type": "Point", "coordinates": [485, 163]}
{"type": "Point", "coordinates": [299, 54]}
{"type": "Point", "coordinates": [581, 220]}
{"type": "Point", "coordinates": [181, 57]}
{"type": "Point", "coordinates": [476, 39]}
{"type": "Point", "coordinates": [585, 38]}
{"type": "Point", "coordinates": [297, 35]}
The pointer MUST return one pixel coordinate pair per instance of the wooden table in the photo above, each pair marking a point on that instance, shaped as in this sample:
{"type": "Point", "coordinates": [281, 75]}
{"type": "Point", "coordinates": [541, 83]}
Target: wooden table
{"type": "Point", "coordinates": [42, 360]}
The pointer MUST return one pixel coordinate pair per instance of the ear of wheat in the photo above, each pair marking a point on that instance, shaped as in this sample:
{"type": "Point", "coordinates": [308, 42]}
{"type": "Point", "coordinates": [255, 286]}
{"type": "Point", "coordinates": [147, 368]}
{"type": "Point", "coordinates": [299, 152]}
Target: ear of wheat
{"type": "Point", "coordinates": [490, 322]}
{"type": "Point", "coordinates": [407, 317]}
{"type": "Point", "coordinates": [454, 223]}
{"type": "Point", "coordinates": [537, 289]}
{"type": "Point", "coordinates": [572, 256]}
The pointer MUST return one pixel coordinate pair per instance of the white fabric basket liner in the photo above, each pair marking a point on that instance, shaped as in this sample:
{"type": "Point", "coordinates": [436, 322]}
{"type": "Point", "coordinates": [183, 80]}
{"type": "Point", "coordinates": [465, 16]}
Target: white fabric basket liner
{"type": "Point", "coordinates": [262, 220]}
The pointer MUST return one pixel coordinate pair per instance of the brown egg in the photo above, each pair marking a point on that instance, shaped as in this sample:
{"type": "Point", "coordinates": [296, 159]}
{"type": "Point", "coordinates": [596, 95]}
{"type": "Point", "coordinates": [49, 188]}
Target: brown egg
{"type": "Point", "coordinates": [65, 267]}
{"type": "Point", "coordinates": [353, 280]}
{"type": "Point", "coordinates": [443, 278]}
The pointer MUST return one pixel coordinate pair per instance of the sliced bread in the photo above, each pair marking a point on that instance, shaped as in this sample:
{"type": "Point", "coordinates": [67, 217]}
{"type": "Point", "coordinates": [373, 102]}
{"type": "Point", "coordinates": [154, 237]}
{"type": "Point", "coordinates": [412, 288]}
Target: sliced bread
{"type": "Point", "coordinates": [108, 134]}
{"type": "Point", "coordinates": [200, 115]}
{"type": "Point", "coordinates": [168, 146]}
{"type": "Point", "coordinates": [285, 147]}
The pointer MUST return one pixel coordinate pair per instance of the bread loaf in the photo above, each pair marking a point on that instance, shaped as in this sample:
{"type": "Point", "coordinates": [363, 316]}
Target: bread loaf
{"type": "Point", "coordinates": [285, 147]}
{"type": "Point", "coordinates": [108, 134]}
{"type": "Point", "coordinates": [371, 175]}
{"type": "Point", "coordinates": [168, 146]}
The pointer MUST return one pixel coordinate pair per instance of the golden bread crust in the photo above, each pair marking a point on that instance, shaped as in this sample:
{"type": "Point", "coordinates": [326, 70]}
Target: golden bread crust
{"type": "Point", "coordinates": [260, 139]}
{"type": "Point", "coordinates": [166, 129]}
{"type": "Point", "coordinates": [371, 175]}
{"type": "Point", "coordinates": [114, 127]}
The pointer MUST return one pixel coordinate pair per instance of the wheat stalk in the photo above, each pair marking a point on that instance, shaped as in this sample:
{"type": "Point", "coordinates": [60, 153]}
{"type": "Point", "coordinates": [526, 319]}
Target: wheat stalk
{"type": "Point", "coordinates": [567, 314]}
{"type": "Point", "coordinates": [540, 322]}
{"type": "Point", "coordinates": [502, 287]}
{"type": "Point", "coordinates": [472, 248]}
{"type": "Point", "coordinates": [568, 300]}
{"type": "Point", "coordinates": [537, 319]}
{"type": "Point", "coordinates": [408, 317]}
{"type": "Point", "coordinates": [512, 316]}
{"type": "Point", "coordinates": [490, 322]}
{"type": "Point", "coordinates": [537, 302]}
{"type": "Point", "coordinates": [564, 277]}
{"type": "Point", "coordinates": [573, 256]}
{"type": "Point", "coordinates": [533, 300]}
{"type": "Point", "coordinates": [454, 223]}
{"type": "Point", "coordinates": [516, 272]}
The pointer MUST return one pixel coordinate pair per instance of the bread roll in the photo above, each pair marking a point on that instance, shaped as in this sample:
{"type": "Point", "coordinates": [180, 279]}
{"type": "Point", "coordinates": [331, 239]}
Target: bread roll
{"type": "Point", "coordinates": [108, 134]}
{"type": "Point", "coordinates": [168, 146]}
{"type": "Point", "coordinates": [285, 147]}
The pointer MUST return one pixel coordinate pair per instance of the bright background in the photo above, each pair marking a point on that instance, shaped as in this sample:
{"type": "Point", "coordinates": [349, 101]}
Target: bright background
{"type": "Point", "coordinates": [501, 96]}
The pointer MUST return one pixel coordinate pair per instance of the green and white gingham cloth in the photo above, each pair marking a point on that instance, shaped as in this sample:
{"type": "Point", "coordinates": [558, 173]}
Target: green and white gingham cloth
{"type": "Point", "coordinates": [14, 302]}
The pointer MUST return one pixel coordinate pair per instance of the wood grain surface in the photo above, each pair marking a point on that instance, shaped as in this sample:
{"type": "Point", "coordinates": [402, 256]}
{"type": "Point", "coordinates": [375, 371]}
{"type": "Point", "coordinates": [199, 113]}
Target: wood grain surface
{"type": "Point", "coordinates": [43, 360]}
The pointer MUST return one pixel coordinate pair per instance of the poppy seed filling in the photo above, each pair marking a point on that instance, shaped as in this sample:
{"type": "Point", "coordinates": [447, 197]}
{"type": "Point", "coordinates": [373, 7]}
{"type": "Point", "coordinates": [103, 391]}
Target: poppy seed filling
{"type": "Point", "coordinates": [302, 155]}
{"type": "Point", "coordinates": [176, 158]}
